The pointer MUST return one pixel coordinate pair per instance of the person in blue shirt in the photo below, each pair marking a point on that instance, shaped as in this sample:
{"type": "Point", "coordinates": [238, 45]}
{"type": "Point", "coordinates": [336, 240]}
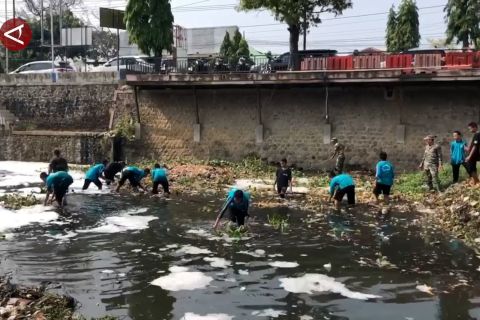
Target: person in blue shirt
{"type": "Point", "coordinates": [159, 177]}
{"type": "Point", "coordinates": [341, 185]}
{"type": "Point", "coordinates": [134, 175]}
{"type": "Point", "coordinates": [385, 175]}
{"type": "Point", "coordinates": [237, 203]}
{"type": "Point", "coordinates": [57, 184]}
{"type": "Point", "coordinates": [458, 148]}
{"type": "Point", "coordinates": [94, 174]}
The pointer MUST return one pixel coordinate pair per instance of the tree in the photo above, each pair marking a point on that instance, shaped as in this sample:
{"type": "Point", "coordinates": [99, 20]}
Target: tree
{"type": "Point", "coordinates": [463, 22]}
{"type": "Point", "coordinates": [237, 38]}
{"type": "Point", "coordinates": [243, 49]}
{"type": "Point", "coordinates": [35, 6]}
{"type": "Point", "coordinates": [391, 37]}
{"type": "Point", "coordinates": [407, 30]}
{"type": "Point", "coordinates": [104, 45]}
{"type": "Point", "coordinates": [226, 46]}
{"type": "Point", "coordinates": [150, 25]}
{"type": "Point", "coordinates": [296, 14]}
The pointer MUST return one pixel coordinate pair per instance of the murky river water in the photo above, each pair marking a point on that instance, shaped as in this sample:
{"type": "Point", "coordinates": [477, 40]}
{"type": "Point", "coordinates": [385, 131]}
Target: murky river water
{"type": "Point", "coordinates": [142, 258]}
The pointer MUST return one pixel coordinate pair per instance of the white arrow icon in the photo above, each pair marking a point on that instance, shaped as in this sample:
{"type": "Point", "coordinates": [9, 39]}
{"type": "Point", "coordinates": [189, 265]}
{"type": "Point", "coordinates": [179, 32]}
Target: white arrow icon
{"type": "Point", "coordinates": [9, 32]}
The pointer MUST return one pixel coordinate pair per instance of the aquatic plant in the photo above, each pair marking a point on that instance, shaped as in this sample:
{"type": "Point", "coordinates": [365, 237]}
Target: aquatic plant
{"type": "Point", "coordinates": [15, 201]}
{"type": "Point", "coordinates": [278, 222]}
{"type": "Point", "coordinates": [234, 232]}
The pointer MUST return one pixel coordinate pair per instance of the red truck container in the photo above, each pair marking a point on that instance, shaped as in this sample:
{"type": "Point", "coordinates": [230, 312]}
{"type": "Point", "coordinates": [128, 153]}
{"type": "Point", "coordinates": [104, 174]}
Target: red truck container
{"type": "Point", "coordinates": [399, 61]}
{"type": "Point", "coordinates": [340, 63]}
{"type": "Point", "coordinates": [368, 62]}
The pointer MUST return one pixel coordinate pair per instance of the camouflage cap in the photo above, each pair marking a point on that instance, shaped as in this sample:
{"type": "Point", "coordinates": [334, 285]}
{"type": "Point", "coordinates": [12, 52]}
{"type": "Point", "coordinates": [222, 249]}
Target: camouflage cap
{"type": "Point", "coordinates": [430, 137]}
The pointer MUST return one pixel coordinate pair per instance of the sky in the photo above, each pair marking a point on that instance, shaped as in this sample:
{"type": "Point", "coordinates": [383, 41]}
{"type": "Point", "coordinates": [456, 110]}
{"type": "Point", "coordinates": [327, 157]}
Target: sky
{"type": "Point", "coordinates": [359, 27]}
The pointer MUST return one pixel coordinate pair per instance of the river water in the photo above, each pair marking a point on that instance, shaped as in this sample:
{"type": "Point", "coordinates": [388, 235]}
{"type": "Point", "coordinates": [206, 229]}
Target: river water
{"type": "Point", "coordinates": [138, 257]}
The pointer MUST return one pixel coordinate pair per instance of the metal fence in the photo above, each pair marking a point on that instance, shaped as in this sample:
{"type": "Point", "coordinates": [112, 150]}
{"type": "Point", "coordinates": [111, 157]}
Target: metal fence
{"type": "Point", "coordinates": [412, 61]}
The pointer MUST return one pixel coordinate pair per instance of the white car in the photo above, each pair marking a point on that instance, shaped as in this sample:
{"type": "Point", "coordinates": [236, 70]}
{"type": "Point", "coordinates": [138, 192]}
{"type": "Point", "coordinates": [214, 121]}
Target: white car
{"type": "Point", "coordinates": [44, 67]}
{"type": "Point", "coordinates": [112, 64]}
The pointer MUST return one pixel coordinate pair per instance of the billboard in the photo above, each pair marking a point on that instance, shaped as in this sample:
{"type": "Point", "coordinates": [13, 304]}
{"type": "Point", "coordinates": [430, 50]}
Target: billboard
{"type": "Point", "coordinates": [111, 18]}
{"type": "Point", "coordinates": [77, 36]}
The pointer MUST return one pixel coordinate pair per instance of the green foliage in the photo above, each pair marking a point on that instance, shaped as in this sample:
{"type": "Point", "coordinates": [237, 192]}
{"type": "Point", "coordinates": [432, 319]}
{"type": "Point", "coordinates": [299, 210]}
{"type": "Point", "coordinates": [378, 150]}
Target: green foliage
{"type": "Point", "coordinates": [226, 46]}
{"type": "Point", "coordinates": [463, 22]}
{"type": "Point", "coordinates": [236, 232]}
{"type": "Point", "coordinates": [407, 30]}
{"type": "Point", "coordinates": [124, 128]}
{"type": "Point", "coordinates": [296, 13]}
{"type": "Point", "coordinates": [150, 25]}
{"type": "Point", "coordinates": [15, 201]}
{"type": "Point", "coordinates": [391, 37]}
{"type": "Point", "coordinates": [232, 50]}
{"type": "Point", "coordinates": [278, 222]}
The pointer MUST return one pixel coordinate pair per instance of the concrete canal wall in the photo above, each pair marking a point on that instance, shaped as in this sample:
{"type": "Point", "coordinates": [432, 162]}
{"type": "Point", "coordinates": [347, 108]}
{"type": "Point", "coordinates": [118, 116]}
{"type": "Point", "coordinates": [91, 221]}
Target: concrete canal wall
{"type": "Point", "coordinates": [233, 122]}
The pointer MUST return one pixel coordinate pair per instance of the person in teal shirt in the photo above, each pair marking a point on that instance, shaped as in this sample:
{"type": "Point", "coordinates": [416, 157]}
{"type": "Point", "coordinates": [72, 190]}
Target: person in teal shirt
{"type": "Point", "coordinates": [159, 177]}
{"type": "Point", "coordinates": [385, 175]}
{"type": "Point", "coordinates": [57, 184]}
{"type": "Point", "coordinates": [134, 175]}
{"type": "Point", "coordinates": [458, 148]}
{"type": "Point", "coordinates": [237, 203]}
{"type": "Point", "coordinates": [341, 185]}
{"type": "Point", "coordinates": [94, 174]}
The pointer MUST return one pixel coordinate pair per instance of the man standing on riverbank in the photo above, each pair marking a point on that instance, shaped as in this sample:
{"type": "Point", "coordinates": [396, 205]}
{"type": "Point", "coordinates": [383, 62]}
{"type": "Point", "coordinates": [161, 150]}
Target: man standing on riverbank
{"type": "Point", "coordinates": [57, 184]}
{"type": "Point", "coordinates": [457, 154]}
{"type": "Point", "coordinates": [237, 203]}
{"type": "Point", "coordinates": [473, 153]}
{"type": "Point", "coordinates": [339, 152]}
{"type": "Point", "coordinates": [283, 179]}
{"type": "Point", "coordinates": [58, 163]}
{"type": "Point", "coordinates": [432, 163]}
{"type": "Point", "coordinates": [134, 175]}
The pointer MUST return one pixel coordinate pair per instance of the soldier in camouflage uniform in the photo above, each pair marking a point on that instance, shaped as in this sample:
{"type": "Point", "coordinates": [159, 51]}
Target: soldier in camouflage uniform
{"type": "Point", "coordinates": [339, 152]}
{"type": "Point", "coordinates": [432, 163]}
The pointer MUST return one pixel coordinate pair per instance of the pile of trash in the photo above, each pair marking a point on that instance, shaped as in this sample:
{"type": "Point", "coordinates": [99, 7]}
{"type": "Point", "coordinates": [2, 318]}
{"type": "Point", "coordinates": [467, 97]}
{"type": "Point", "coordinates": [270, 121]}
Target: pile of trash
{"type": "Point", "coordinates": [200, 177]}
{"type": "Point", "coordinates": [458, 210]}
{"type": "Point", "coordinates": [32, 303]}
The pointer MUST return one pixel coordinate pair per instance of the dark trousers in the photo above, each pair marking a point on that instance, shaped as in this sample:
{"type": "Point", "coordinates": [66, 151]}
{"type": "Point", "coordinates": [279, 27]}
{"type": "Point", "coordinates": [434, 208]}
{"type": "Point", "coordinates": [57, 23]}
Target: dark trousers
{"type": "Point", "coordinates": [96, 182]}
{"type": "Point", "coordinates": [237, 216]}
{"type": "Point", "coordinates": [163, 183]}
{"type": "Point", "coordinates": [456, 171]}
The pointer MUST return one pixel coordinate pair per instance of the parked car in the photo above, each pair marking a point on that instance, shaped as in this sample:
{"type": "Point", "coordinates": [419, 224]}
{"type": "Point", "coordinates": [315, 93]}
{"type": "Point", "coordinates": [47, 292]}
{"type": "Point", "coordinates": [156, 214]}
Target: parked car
{"type": "Point", "coordinates": [44, 67]}
{"type": "Point", "coordinates": [112, 64]}
{"type": "Point", "coordinates": [281, 63]}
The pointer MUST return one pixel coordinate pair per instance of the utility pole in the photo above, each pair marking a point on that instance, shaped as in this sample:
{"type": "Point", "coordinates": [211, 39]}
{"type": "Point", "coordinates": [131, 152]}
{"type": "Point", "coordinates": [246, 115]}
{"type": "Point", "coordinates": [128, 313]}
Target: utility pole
{"type": "Point", "coordinates": [51, 36]}
{"type": "Point", "coordinates": [41, 24]}
{"type": "Point", "coordinates": [305, 30]}
{"type": "Point", "coordinates": [60, 22]}
{"type": "Point", "coordinates": [13, 9]}
{"type": "Point", "coordinates": [6, 50]}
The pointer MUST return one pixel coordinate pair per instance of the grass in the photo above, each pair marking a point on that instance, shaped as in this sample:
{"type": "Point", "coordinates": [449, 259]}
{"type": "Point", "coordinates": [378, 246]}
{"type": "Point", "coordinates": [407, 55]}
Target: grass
{"type": "Point", "coordinates": [413, 186]}
{"type": "Point", "coordinates": [234, 232]}
{"type": "Point", "coordinates": [278, 222]}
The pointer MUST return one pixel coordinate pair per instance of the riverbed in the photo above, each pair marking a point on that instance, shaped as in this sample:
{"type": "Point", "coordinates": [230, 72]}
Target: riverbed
{"type": "Point", "coordinates": [138, 257]}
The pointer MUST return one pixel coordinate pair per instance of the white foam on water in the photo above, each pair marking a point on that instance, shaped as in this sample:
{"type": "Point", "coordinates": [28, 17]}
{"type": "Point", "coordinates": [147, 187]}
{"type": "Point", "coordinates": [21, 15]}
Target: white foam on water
{"type": "Point", "coordinates": [243, 272]}
{"type": "Point", "coordinates": [328, 267]}
{"type": "Point", "coordinates": [269, 313]}
{"type": "Point", "coordinates": [137, 250]}
{"type": "Point", "coordinates": [275, 255]}
{"type": "Point", "coordinates": [125, 221]}
{"type": "Point", "coordinates": [311, 282]}
{"type": "Point", "coordinates": [174, 269]}
{"type": "Point", "coordinates": [211, 316]}
{"type": "Point", "coordinates": [257, 253]}
{"type": "Point", "coordinates": [199, 232]}
{"type": "Point", "coordinates": [188, 249]}
{"type": "Point", "coordinates": [180, 279]}
{"type": "Point", "coordinates": [21, 173]}
{"type": "Point", "coordinates": [29, 190]}
{"type": "Point", "coordinates": [218, 262]}
{"type": "Point", "coordinates": [283, 264]}
{"type": "Point", "coordinates": [306, 318]}
{"type": "Point", "coordinates": [63, 237]}
{"type": "Point", "coordinates": [11, 219]}
{"type": "Point", "coordinates": [108, 271]}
